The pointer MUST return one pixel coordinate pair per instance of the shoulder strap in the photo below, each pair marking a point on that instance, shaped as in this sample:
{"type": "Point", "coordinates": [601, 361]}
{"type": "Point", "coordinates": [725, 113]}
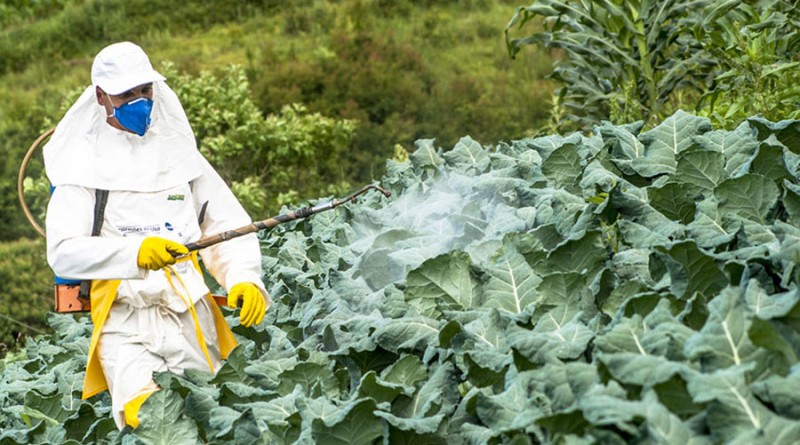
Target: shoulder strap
{"type": "Point", "coordinates": [201, 216]}
{"type": "Point", "coordinates": [100, 201]}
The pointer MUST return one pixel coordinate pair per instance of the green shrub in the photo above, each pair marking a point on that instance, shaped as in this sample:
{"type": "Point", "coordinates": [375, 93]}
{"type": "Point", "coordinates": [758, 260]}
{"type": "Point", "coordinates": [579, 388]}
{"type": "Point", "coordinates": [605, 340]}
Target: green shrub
{"type": "Point", "coordinates": [27, 289]}
{"type": "Point", "coordinates": [272, 160]}
{"type": "Point", "coordinates": [756, 48]}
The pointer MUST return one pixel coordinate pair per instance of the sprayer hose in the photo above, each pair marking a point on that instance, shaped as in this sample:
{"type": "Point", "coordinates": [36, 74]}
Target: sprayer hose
{"type": "Point", "coordinates": [21, 179]}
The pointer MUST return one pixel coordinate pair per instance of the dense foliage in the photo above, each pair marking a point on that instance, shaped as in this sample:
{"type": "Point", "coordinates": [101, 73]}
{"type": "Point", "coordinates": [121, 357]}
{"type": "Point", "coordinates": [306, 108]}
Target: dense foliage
{"type": "Point", "coordinates": [627, 286]}
{"type": "Point", "coordinates": [627, 60]}
{"type": "Point", "coordinates": [267, 160]}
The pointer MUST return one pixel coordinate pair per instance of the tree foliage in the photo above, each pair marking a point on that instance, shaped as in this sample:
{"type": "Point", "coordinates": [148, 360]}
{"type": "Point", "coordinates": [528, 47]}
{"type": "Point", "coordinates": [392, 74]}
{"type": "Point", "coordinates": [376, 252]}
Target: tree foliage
{"type": "Point", "coordinates": [268, 160]}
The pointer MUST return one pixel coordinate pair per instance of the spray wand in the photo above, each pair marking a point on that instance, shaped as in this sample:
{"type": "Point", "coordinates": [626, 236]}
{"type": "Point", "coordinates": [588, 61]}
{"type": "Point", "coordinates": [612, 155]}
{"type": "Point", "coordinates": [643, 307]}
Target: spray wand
{"type": "Point", "coordinates": [280, 219]}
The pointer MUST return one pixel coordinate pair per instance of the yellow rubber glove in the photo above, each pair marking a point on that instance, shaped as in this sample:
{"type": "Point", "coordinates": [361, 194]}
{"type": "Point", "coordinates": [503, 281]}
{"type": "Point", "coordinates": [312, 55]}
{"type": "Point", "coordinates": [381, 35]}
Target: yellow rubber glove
{"type": "Point", "coordinates": [254, 304]}
{"type": "Point", "coordinates": [156, 252]}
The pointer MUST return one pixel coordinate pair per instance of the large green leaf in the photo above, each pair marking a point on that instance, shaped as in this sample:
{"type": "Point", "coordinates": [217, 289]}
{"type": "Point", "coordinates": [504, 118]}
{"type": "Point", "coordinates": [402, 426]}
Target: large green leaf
{"type": "Point", "coordinates": [658, 334]}
{"type": "Point", "coordinates": [781, 393]}
{"type": "Point", "coordinates": [665, 427]}
{"type": "Point", "coordinates": [563, 168]}
{"type": "Point", "coordinates": [776, 430]}
{"type": "Point", "coordinates": [750, 197]}
{"type": "Point", "coordinates": [769, 162]}
{"type": "Point", "coordinates": [624, 336]}
{"type": "Point", "coordinates": [559, 333]}
{"type": "Point", "coordinates": [734, 411]}
{"type": "Point", "coordinates": [162, 420]}
{"type": "Point", "coordinates": [768, 306]}
{"type": "Point", "coordinates": [626, 146]}
{"type": "Point", "coordinates": [426, 155]}
{"type": "Point", "coordinates": [786, 131]}
{"type": "Point", "coordinates": [316, 378]}
{"type": "Point", "coordinates": [425, 410]}
{"type": "Point", "coordinates": [401, 334]}
{"type": "Point", "coordinates": [354, 423]}
{"type": "Point", "coordinates": [703, 170]}
{"type": "Point", "coordinates": [641, 224]}
{"type": "Point", "coordinates": [468, 156]}
{"type": "Point", "coordinates": [546, 145]}
{"type": "Point", "coordinates": [640, 369]}
{"type": "Point", "coordinates": [443, 283]}
{"type": "Point", "coordinates": [789, 252]}
{"type": "Point", "coordinates": [664, 143]}
{"type": "Point", "coordinates": [674, 200]}
{"type": "Point", "coordinates": [560, 209]}
{"type": "Point", "coordinates": [791, 200]}
{"type": "Point", "coordinates": [710, 228]}
{"type": "Point", "coordinates": [515, 408]}
{"type": "Point", "coordinates": [277, 413]}
{"type": "Point", "coordinates": [738, 146]}
{"type": "Point", "coordinates": [585, 256]}
{"type": "Point", "coordinates": [608, 407]}
{"type": "Point", "coordinates": [723, 341]}
{"type": "Point", "coordinates": [512, 282]}
{"type": "Point", "coordinates": [562, 383]}
{"type": "Point", "coordinates": [377, 389]}
{"type": "Point", "coordinates": [691, 270]}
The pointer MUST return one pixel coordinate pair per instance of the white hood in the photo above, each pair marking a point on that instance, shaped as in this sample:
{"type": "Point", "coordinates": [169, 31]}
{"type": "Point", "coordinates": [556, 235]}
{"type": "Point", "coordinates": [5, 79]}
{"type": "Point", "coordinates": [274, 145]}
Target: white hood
{"type": "Point", "coordinates": [86, 151]}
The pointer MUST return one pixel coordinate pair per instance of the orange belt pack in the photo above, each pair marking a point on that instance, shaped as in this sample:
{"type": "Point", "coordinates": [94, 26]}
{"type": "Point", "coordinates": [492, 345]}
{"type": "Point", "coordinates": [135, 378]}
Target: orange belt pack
{"type": "Point", "coordinates": [68, 299]}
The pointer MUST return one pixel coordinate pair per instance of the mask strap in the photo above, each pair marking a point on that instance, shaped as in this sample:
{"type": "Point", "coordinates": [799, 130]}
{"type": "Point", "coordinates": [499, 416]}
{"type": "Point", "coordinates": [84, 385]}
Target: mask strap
{"type": "Point", "coordinates": [113, 108]}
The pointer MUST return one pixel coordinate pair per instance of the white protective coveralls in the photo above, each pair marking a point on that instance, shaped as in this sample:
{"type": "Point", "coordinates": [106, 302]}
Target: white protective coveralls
{"type": "Point", "coordinates": [145, 321]}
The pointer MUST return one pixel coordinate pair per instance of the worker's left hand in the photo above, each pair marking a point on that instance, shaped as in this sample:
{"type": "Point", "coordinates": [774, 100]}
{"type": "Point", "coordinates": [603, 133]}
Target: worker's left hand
{"type": "Point", "coordinates": [254, 303]}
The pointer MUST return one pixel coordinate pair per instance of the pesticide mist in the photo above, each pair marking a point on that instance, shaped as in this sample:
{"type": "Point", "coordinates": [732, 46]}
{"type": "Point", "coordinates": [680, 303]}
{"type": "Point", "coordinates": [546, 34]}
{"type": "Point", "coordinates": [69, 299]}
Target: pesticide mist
{"type": "Point", "coordinates": [447, 212]}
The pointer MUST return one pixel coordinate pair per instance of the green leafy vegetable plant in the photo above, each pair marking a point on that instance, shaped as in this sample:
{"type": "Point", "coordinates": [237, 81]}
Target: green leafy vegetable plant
{"type": "Point", "coordinates": [484, 303]}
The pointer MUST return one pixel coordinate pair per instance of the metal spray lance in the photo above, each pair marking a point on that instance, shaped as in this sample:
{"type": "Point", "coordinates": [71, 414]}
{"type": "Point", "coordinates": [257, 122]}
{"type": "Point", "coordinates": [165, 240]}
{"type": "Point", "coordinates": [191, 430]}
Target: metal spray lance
{"type": "Point", "coordinates": [280, 219]}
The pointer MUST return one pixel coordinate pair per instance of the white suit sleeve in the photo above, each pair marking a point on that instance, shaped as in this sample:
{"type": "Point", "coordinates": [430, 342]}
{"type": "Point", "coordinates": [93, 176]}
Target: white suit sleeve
{"type": "Point", "coordinates": [71, 250]}
{"type": "Point", "coordinates": [236, 260]}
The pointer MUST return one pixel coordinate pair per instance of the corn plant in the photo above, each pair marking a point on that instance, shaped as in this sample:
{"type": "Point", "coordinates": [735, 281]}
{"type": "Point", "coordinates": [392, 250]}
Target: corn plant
{"type": "Point", "coordinates": [622, 59]}
{"type": "Point", "coordinates": [626, 60]}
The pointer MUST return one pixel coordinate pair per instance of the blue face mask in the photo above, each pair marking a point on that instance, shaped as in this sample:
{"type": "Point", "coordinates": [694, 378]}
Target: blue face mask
{"type": "Point", "coordinates": [134, 114]}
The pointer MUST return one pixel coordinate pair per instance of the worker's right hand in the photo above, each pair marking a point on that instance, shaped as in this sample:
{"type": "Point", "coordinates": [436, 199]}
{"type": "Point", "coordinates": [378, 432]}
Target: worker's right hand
{"type": "Point", "coordinates": [156, 252]}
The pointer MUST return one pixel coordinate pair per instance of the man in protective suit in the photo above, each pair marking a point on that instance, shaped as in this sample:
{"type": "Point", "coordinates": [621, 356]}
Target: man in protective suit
{"type": "Point", "coordinates": [152, 311]}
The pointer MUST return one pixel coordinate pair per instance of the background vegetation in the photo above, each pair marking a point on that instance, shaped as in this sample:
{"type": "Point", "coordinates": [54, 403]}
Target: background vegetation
{"type": "Point", "coordinates": [289, 100]}
{"type": "Point", "coordinates": [630, 60]}
{"type": "Point", "coordinates": [295, 100]}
